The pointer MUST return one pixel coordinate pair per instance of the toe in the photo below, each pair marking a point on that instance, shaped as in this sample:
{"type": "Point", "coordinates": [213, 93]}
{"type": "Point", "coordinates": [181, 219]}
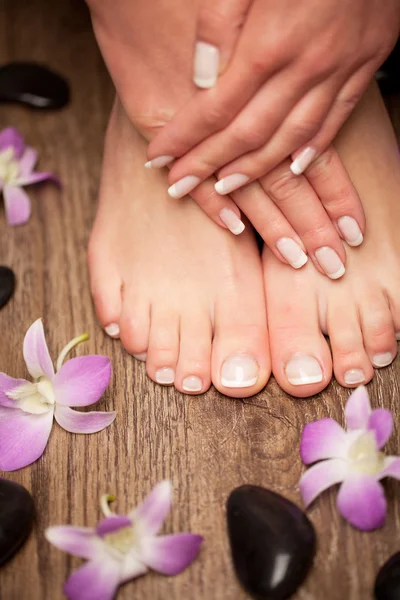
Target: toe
{"type": "Point", "coordinates": [106, 285]}
{"type": "Point", "coordinates": [378, 330]}
{"type": "Point", "coordinates": [163, 349]}
{"type": "Point", "coordinates": [135, 324]}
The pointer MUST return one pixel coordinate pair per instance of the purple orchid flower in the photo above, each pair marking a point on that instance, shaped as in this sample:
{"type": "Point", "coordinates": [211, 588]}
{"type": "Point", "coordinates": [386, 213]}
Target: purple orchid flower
{"type": "Point", "coordinates": [27, 408]}
{"type": "Point", "coordinates": [16, 171]}
{"type": "Point", "coordinates": [121, 548]}
{"type": "Point", "coordinates": [354, 458]}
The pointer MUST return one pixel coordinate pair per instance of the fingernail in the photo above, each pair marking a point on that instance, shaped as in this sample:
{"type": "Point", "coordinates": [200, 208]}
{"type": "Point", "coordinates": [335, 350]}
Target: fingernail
{"type": "Point", "coordinates": [354, 376]}
{"type": "Point", "coordinates": [192, 384]}
{"type": "Point", "coordinates": [206, 65]}
{"type": "Point", "coordinates": [165, 376]}
{"type": "Point", "coordinates": [230, 183]}
{"type": "Point", "coordinates": [112, 330]}
{"type": "Point", "coordinates": [292, 252]}
{"type": "Point", "coordinates": [239, 371]}
{"type": "Point", "coordinates": [304, 159]}
{"type": "Point", "coordinates": [350, 230]}
{"type": "Point", "coordinates": [303, 370]}
{"type": "Point", "coordinates": [160, 161]}
{"type": "Point", "coordinates": [382, 360]}
{"type": "Point", "coordinates": [232, 221]}
{"type": "Point", "coordinates": [330, 262]}
{"type": "Point", "coordinates": [142, 356]}
{"type": "Point", "coordinates": [183, 186]}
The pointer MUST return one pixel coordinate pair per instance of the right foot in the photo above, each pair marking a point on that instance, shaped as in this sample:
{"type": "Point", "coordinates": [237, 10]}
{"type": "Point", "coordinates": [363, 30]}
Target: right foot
{"type": "Point", "coordinates": [180, 292]}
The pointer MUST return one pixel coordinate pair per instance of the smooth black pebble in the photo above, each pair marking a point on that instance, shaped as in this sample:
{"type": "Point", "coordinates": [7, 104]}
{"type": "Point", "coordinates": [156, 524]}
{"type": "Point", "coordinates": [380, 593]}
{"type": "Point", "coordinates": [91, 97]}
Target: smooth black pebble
{"type": "Point", "coordinates": [16, 517]}
{"type": "Point", "coordinates": [272, 541]}
{"type": "Point", "coordinates": [7, 285]}
{"type": "Point", "coordinates": [387, 583]}
{"type": "Point", "coordinates": [34, 85]}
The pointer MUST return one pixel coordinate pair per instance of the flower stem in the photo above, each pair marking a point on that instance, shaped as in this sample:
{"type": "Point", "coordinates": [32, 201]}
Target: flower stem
{"type": "Point", "coordinates": [81, 338]}
{"type": "Point", "coordinates": [104, 502]}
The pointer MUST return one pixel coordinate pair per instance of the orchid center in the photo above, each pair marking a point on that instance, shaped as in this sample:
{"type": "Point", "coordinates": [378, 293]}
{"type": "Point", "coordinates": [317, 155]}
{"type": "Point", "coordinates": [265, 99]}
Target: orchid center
{"type": "Point", "coordinates": [9, 167]}
{"type": "Point", "coordinates": [121, 540]}
{"type": "Point", "coordinates": [364, 455]}
{"type": "Point", "coordinates": [35, 398]}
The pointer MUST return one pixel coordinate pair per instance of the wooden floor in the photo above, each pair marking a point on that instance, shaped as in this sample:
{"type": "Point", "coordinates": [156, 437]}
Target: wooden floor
{"type": "Point", "coordinates": [205, 445]}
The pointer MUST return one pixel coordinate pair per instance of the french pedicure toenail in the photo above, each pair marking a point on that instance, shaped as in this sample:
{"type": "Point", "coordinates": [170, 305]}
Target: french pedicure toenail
{"type": "Point", "coordinates": [354, 376]}
{"type": "Point", "coordinates": [239, 371]}
{"type": "Point", "coordinates": [112, 330]}
{"type": "Point", "coordinates": [165, 376]}
{"type": "Point", "coordinates": [232, 221]}
{"type": "Point", "coordinates": [304, 160]}
{"type": "Point", "coordinates": [206, 65]}
{"type": "Point", "coordinates": [158, 162]}
{"type": "Point", "coordinates": [192, 384]}
{"type": "Point", "coordinates": [350, 231]}
{"type": "Point", "coordinates": [230, 183]}
{"type": "Point", "coordinates": [303, 370]}
{"type": "Point", "coordinates": [330, 262]}
{"type": "Point", "coordinates": [382, 360]}
{"type": "Point", "coordinates": [292, 252]}
{"type": "Point", "coordinates": [142, 356]}
{"type": "Point", "coordinates": [183, 186]}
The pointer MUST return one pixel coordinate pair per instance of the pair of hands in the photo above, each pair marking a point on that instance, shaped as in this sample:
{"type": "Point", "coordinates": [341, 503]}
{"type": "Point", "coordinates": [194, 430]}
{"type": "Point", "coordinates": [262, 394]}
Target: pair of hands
{"type": "Point", "coordinates": [289, 73]}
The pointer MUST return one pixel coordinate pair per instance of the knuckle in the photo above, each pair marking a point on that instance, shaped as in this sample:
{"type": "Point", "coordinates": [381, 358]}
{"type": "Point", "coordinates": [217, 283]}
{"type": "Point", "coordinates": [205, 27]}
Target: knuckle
{"type": "Point", "coordinates": [213, 19]}
{"type": "Point", "coordinates": [323, 167]}
{"type": "Point", "coordinates": [285, 186]}
{"type": "Point", "coordinates": [215, 113]}
{"type": "Point", "coordinates": [305, 129]}
{"type": "Point", "coordinates": [249, 135]}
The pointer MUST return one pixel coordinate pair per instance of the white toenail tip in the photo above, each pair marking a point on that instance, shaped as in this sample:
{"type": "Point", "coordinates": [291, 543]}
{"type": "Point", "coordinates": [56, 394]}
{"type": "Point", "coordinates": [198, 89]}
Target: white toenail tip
{"type": "Point", "coordinates": [165, 376]}
{"type": "Point", "coordinates": [239, 371]}
{"type": "Point", "coordinates": [382, 360]}
{"type": "Point", "coordinates": [142, 356]}
{"type": "Point", "coordinates": [303, 370]}
{"type": "Point", "coordinates": [305, 380]}
{"type": "Point", "coordinates": [354, 376]}
{"type": "Point", "coordinates": [112, 330]}
{"type": "Point", "coordinates": [356, 242]}
{"type": "Point", "coordinates": [238, 384]}
{"type": "Point", "coordinates": [192, 383]}
{"type": "Point", "coordinates": [339, 273]}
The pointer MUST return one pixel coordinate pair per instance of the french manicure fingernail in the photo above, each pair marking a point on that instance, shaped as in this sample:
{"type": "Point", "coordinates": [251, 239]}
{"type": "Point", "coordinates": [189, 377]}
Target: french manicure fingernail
{"type": "Point", "coordinates": [303, 370]}
{"type": "Point", "coordinates": [230, 183]}
{"type": "Point", "coordinates": [112, 330]}
{"type": "Point", "coordinates": [354, 376]}
{"type": "Point", "coordinates": [206, 65]}
{"type": "Point", "coordinates": [350, 230]}
{"type": "Point", "coordinates": [382, 360]}
{"type": "Point", "coordinates": [292, 252]}
{"type": "Point", "coordinates": [142, 356]}
{"type": "Point", "coordinates": [239, 371]}
{"type": "Point", "coordinates": [304, 159]}
{"type": "Point", "coordinates": [192, 383]}
{"type": "Point", "coordinates": [165, 376]}
{"type": "Point", "coordinates": [160, 161]}
{"type": "Point", "coordinates": [183, 186]}
{"type": "Point", "coordinates": [232, 221]}
{"type": "Point", "coordinates": [330, 262]}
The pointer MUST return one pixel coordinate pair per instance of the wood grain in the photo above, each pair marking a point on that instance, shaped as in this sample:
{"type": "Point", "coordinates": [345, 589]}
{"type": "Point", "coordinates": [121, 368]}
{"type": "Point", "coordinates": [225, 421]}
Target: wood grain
{"type": "Point", "coordinates": [206, 445]}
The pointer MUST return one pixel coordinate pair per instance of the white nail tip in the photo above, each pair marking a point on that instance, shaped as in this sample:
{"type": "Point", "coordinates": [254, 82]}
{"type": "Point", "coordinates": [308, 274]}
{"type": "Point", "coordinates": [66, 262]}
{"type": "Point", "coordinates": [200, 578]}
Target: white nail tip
{"type": "Point", "coordinates": [241, 384]}
{"type": "Point", "coordinates": [112, 330]}
{"type": "Point", "coordinates": [305, 380]}
{"type": "Point", "coordinates": [356, 242]}
{"type": "Point", "coordinates": [160, 161]}
{"type": "Point", "coordinates": [183, 186]}
{"type": "Point", "coordinates": [350, 230]}
{"type": "Point", "coordinates": [303, 370]}
{"type": "Point", "coordinates": [232, 221]}
{"type": "Point", "coordinates": [230, 183]}
{"type": "Point", "coordinates": [165, 376]}
{"type": "Point", "coordinates": [354, 376]}
{"type": "Point", "coordinates": [300, 164]}
{"type": "Point", "coordinates": [206, 65]}
{"type": "Point", "coordinates": [239, 371]}
{"type": "Point", "coordinates": [382, 360]}
{"type": "Point", "coordinates": [292, 252]}
{"type": "Point", "coordinates": [339, 273]}
{"type": "Point", "coordinates": [192, 384]}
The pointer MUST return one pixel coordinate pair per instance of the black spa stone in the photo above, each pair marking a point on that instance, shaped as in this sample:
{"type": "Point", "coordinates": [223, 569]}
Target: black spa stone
{"type": "Point", "coordinates": [16, 517]}
{"type": "Point", "coordinates": [7, 285]}
{"type": "Point", "coordinates": [387, 583]}
{"type": "Point", "coordinates": [272, 541]}
{"type": "Point", "coordinates": [32, 84]}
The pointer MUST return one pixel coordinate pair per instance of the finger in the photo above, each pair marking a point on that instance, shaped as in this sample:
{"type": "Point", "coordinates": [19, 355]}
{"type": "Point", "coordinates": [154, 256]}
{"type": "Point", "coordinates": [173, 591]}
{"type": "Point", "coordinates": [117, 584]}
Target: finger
{"type": "Point", "coordinates": [218, 28]}
{"type": "Point", "coordinates": [331, 182]}
{"type": "Point", "coordinates": [301, 206]}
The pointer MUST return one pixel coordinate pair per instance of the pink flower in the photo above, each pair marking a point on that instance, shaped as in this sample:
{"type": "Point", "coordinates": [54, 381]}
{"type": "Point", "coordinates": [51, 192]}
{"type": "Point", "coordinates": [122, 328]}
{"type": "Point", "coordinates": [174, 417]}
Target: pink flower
{"type": "Point", "coordinates": [16, 171]}
{"type": "Point", "coordinates": [121, 548]}
{"type": "Point", "coordinates": [353, 458]}
{"type": "Point", "coordinates": [27, 408]}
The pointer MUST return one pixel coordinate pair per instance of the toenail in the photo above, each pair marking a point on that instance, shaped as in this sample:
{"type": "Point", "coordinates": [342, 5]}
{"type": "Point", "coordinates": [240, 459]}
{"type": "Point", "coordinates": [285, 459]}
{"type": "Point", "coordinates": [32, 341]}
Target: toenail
{"type": "Point", "coordinates": [232, 221]}
{"type": "Point", "coordinates": [142, 356]}
{"type": "Point", "coordinates": [192, 384]}
{"type": "Point", "coordinates": [112, 330]}
{"type": "Point", "coordinates": [382, 360]}
{"type": "Point", "coordinates": [354, 376]}
{"type": "Point", "coordinates": [166, 376]}
{"type": "Point", "coordinates": [330, 262]}
{"type": "Point", "coordinates": [303, 370]}
{"type": "Point", "coordinates": [239, 371]}
{"type": "Point", "coordinates": [350, 231]}
{"type": "Point", "coordinates": [292, 252]}
{"type": "Point", "coordinates": [183, 186]}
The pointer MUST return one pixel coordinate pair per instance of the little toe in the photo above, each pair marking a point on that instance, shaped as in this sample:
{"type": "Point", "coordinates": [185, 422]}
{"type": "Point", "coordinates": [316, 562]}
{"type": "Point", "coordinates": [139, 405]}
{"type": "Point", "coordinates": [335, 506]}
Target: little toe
{"type": "Point", "coordinates": [163, 349]}
{"type": "Point", "coordinates": [193, 372]}
{"type": "Point", "coordinates": [378, 330]}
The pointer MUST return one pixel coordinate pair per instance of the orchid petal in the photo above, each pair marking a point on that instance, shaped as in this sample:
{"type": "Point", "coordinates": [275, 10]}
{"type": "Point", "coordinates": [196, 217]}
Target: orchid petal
{"type": "Point", "coordinates": [131, 568]}
{"type": "Point", "coordinates": [36, 178]}
{"type": "Point", "coordinates": [361, 500]}
{"type": "Point", "coordinates": [36, 353]}
{"type": "Point", "coordinates": [28, 161]}
{"type": "Point", "coordinates": [381, 423]}
{"type": "Point", "coordinates": [322, 439]}
{"type": "Point", "coordinates": [23, 437]}
{"type": "Point", "coordinates": [391, 467]}
{"type": "Point", "coordinates": [7, 384]}
{"type": "Point", "coordinates": [320, 477]}
{"type": "Point", "coordinates": [79, 541]}
{"type": "Point", "coordinates": [96, 580]}
{"type": "Point", "coordinates": [11, 138]}
{"type": "Point", "coordinates": [80, 422]}
{"type": "Point", "coordinates": [82, 381]}
{"type": "Point", "coordinates": [17, 205]}
{"type": "Point", "coordinates": [170, 554]}
{"type": "Point", "coordinates": [154, 509]}
{"type": "Point", "coordinates": [358, 409]}
{"type": "Point", "coordinates": [112, 524]}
